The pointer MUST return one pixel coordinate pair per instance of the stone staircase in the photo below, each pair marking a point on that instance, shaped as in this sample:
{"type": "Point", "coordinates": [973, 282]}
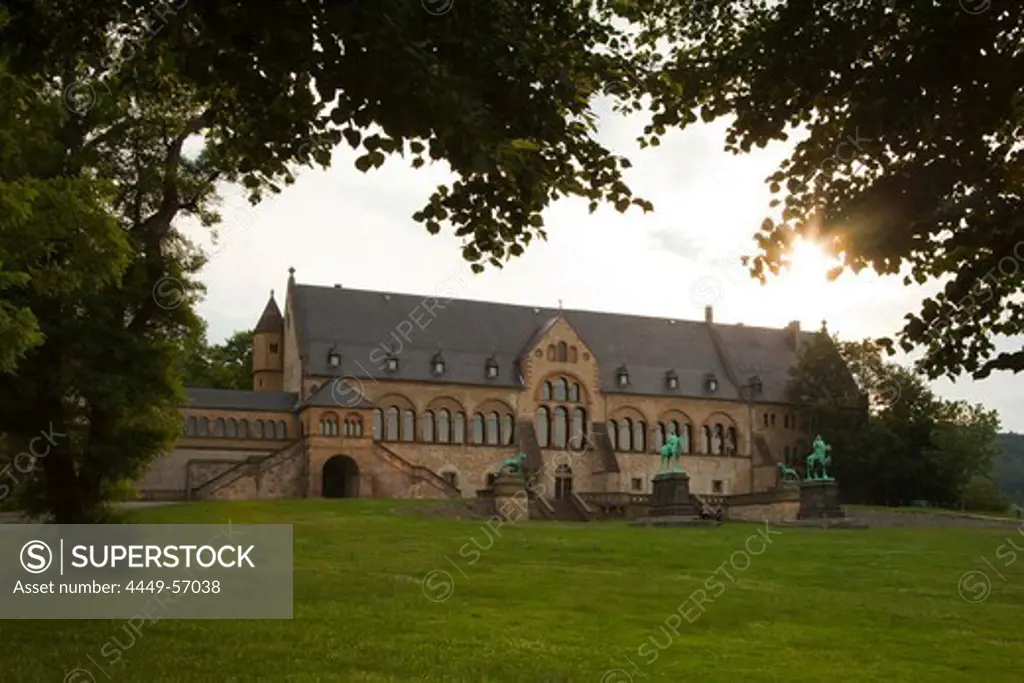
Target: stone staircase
{"type": "Point", "coordinates": [416, 472]}
{"type": "Point", "coordinates": [600, 445]}
{"type": "Point", "coordinates": [248, 468]}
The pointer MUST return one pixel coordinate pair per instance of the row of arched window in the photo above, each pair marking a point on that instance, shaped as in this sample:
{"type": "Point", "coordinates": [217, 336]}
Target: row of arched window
{"type": "Point", "coordinates": [352, 425]}
{"type": "Point", "coordinates": [561, 390]}
{"type": "Point", "coordinates": [559, 427]}
{"type": "Point", "coordinates": [562, 353]}
{"type": "Point", "coordinates": [444, 426]}
{"type": "Point", "coordinates": [231, 428]}
{"type": "Point", "coordinates": [631, 436]}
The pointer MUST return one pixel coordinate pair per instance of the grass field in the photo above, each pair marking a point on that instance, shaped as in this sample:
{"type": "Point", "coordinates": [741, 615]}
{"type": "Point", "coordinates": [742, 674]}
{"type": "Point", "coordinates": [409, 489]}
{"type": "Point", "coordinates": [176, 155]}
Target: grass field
{"type": "Point", "coordinates": [574, 602]}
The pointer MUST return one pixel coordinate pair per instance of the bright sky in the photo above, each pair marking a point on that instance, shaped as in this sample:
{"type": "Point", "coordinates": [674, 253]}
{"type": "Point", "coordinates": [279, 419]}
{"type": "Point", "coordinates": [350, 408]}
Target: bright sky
{"type": "Point", "coordinates": [342, 226]}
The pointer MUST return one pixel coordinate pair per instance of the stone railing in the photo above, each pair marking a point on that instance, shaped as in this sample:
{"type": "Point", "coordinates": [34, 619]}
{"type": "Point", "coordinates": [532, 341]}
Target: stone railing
{"type": "Point", "coordinates": [617, 505]}
{"type": "Point", "coordinates": [419, 472]}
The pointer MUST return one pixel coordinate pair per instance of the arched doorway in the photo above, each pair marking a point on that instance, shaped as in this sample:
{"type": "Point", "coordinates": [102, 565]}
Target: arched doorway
{"type": "Point", "coordinates": [340, 477]}
{"type": "Point", "coordinates": [563, 482]}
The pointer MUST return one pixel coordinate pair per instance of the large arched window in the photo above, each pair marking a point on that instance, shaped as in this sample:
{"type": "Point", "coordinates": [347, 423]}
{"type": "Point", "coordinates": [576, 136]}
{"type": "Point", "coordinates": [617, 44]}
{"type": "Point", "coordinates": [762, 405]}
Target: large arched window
{"type": "Point", "coordinates": [560, 427]}
{"type": "Point", "coordinates": [408, 425]}
{"type": "Point", "coordinates": [378, 423]}
{"type": "Point", "coordinates": [625, 435]}
{"type": "Point", "coordinates": [545, 394]}
{"type": "Point", "coordinates": [478, 429]}
{"type": "Point", "coordinates": [719, 442]}
{"type": "Point", "coordinates": [507, 430]}
{"type": "Point", "coordinates": [660, 434]}
{"type": "Point", "coordinates": [731, 441]}
{"type": "Point", "coordinates": [493, 424]}
{"type": "Point", "coordinates": [574, 392]}
{"type": "Point", "coordinates": [578, 428]}
{"type": "Point", "coordinates": [391, 424]}
{"type": "Point", "coordinates": [543, 427]}
{"type": "Point", "coordinates": [640, 436]}
{"type": "Point", "coordinates": [443, 429]}
{"type": "Point", "coordinates": [243, 429]}
{"type": "Point", "coordinates": [459, 428]}
{"type": "Point", "coordinates": [257, 429]}
{"type": "Point", "coordinates": [686, 437]}
{"type": "Point", "coordinates": [427, 421]}
{"type": "Point", "coordinates": [706, 434]}
{"type": "Point", "coordinates": [613, 434]}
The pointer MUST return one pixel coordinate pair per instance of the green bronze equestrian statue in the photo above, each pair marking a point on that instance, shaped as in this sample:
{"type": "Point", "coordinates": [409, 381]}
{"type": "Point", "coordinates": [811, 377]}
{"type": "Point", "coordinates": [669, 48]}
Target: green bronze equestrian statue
{"type": "Point", "coordinates": [513, 465]}
{"type": "Point", "coordinates": [672, 450]}
{"type": "Point", "coordinates": [819, 459]}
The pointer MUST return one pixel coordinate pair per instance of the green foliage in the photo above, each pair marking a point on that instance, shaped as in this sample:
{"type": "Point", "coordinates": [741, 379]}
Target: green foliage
{"type": "Point", "coordinates": [1009, 467]}
{"type": "Point", "coordinates": [908, 152]}
{"type": "Point", "coordinates": [220, 366]}
{"type": "Point", "coordinates": [893, 440]}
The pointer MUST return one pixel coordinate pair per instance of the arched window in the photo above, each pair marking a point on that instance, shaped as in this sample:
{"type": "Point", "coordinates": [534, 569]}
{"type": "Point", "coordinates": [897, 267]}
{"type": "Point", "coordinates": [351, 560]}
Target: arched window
{"type": "Point", "coordinates": [561, 427]}
{"type": "Point", "coordinates": [281, 432]}
{"type": "Point", "coordinates": [391, 425]}
{"type": "Point", "coordinates": [543, 427]}
{"type": "Point", "coordinates": [218, 427]}
{"type": "Point", "coordinates": [328, 425]}
{"type": "Point", "coordinates": [563, 352]}
{"type": "Point", "coordinates": [626, 435]}
{"type": "Point", "coordinates": [459, 428]}
{"type": "Point", "coordinates": [354, 424]}
{"type": "Point", "coordinates": [640, 436]}
{"type": "Point", "coordinates": [493, 438]}
{"type": "Point", "coordinates": [257, 429]}
{"type": "Point", "coordinates": [560, 390]}
{"type": "Point", "coordinates": [659, 436]}
{"type": "Point", "coordinates": [243, 429]}
{"type": "Point", "coordinates": [719, 442]}
{"type": "Point", "coordinates": [706, 433]}
{"type": "Point", "coordinates": [578, 428]}
{"type": "Point", "coordinates": [551, 351]}
{"type": "Point", "coordinates": [190, 426]}
{"type": "Point", "coordinates": [686, 437]}
{"type": "Point", "coordinates": [546, 392]}
{"type": "Point", "coordinates": [573, 355]}
{"type": "Point", "coordinates": [574, 393]}
{"type": "Point", "coordinates": [443, 430]}
{"type": "Point", "coordinates": [232, 428]}
{"type": "Point", "coordinates": [204, 426]}
{"type": "Point", "coordinates": [613, 434]}
{"type": "Point", "coordinates": [563, 482]}
{"type": "Point", "coordinates": [478, 429]}
{"type": "Point", "coordinates": [731, 442]}
{"type": "Point", "coordinates": [427, 421]}
{"type": "Point", "coordinates": [408, 425]}
{"type": "Point", "coordinates": [507, 430]}
{"type": "Point", "coordinates": [378, 423]}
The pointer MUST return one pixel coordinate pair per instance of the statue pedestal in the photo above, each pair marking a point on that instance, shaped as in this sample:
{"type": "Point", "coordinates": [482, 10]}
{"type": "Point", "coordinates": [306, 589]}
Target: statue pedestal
{"type": "Point", "coordinates": [819, 500]}
{"type": "Point", "coordinates": [511, 500]}
{"type": "Point", "coordinates": [671, 504]}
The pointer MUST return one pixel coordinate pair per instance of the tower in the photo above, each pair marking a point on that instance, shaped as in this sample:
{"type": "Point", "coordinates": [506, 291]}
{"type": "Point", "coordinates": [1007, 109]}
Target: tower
{"type": "Point", "coordinates": [268, 349]}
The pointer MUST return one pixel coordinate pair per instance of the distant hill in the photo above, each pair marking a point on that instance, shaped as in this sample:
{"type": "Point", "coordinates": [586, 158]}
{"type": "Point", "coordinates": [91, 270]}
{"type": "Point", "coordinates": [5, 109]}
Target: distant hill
{"type": "Point", "coordinates": [1009, 467]}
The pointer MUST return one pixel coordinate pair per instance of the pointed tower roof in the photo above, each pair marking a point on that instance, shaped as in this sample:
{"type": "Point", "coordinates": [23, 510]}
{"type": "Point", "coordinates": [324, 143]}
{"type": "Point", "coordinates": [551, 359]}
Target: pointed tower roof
{"type": "Point", "coordinates": [271, 320]}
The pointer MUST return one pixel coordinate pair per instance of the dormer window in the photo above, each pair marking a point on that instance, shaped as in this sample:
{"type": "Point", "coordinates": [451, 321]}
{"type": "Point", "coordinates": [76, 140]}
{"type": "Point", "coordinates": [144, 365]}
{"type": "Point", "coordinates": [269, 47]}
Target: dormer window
{"type": "Point", "coordinates": [392, 364]}
{"type": "Point", "coordinates": [672, 379]}
{"type": "Point", "coordinates": [334, 359]}
{"type": "Point", "coordinates": [622, 376]}
{"type": "Point", "coordinates": [492, 368]}
{"type": "Point", "coordinates": [437, 364]}
{"type": "Point", "coordinates": [711, 382]}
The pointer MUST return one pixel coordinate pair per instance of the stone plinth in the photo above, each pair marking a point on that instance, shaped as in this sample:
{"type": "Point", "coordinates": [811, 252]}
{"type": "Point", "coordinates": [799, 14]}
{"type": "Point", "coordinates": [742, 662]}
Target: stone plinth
{"type": "Point", "coordinates": [510, 497]}
{"type": "Point", "coordinates": [819, 500]}
{"type": "Point", "coordinates": [671, 504]}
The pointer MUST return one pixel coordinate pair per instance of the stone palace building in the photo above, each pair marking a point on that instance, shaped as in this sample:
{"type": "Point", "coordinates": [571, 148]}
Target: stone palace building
{"type": "Point", "coordinates": [377, 394]}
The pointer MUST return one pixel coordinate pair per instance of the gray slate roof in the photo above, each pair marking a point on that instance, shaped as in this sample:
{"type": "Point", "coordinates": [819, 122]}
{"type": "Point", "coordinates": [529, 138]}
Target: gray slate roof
{"type": "Point", "coordinates": [235, 399]}
{"type": "Point", "coordinates": [271, 320]}
{"type": "Point", "coordinates": [362, 325]}
{"type": "Point", "coordinates": [338, 393]}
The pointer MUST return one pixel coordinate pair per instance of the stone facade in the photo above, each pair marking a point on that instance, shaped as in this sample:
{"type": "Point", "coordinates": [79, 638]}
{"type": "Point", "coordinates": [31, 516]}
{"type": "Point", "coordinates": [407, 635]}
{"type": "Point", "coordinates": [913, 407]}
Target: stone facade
{"type": "Point", "coordinates": [397, 438]}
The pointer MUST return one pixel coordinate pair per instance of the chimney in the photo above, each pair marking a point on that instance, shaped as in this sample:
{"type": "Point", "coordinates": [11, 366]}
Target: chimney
{"type": "Point", "coordinates": [709, 315]}
{"type": "Point", "coordinates": [792, 332]}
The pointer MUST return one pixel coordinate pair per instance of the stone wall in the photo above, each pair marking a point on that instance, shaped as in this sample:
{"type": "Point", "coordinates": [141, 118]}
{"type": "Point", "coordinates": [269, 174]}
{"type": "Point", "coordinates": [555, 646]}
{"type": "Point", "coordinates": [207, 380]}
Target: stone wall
{"type": "Point", "coordinates": [167, 477]}
{"type": "Point", "coordinates": [779, 505]}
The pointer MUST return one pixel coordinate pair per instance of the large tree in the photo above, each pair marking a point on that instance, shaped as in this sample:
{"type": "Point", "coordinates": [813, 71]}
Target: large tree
{"type": "Point", "coordinates": [220, 366]}
{"type": "Point", "coordinates": [911, 115]}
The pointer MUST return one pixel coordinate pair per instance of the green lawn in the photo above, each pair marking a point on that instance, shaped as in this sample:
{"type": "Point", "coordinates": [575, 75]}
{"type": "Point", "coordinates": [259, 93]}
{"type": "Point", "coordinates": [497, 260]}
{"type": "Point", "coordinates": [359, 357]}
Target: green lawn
{"type": "Point", "coordinates": [570, 602]}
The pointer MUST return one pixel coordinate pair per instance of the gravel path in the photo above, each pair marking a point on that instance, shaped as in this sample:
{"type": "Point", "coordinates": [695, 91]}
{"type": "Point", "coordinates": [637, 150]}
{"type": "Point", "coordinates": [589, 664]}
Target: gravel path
{"type": "Point", "coordinates": [903, 519]}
